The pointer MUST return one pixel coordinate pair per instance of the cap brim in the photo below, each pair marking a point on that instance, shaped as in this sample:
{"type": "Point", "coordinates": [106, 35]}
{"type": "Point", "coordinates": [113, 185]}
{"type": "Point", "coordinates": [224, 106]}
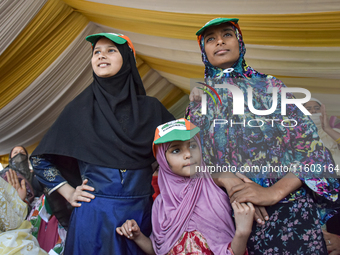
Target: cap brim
{"type": "Point", "coordinates": [178, 135]}
{"type": "Point", "coordinates": [215, 23]}
{"type": "Point", "coordinates": [116, 39]}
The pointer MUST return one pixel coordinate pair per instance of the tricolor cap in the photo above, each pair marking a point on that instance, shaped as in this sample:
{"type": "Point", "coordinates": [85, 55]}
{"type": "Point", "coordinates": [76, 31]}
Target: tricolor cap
{"type": "Point", "coordinates": [215, 22]}
{"type": "Point", "coordinates": [176, 130]}
{"type": "Point", "coordinates": [116, 38]}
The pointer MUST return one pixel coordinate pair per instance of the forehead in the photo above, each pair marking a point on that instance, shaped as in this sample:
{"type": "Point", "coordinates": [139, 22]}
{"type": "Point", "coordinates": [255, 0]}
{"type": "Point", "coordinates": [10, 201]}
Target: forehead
{"type": "Point", "coordinates": [311, 104]}
{"type": "Point", "coordinates": [217, 29]}
{"type": "Point", "coordinates": [18, 148]}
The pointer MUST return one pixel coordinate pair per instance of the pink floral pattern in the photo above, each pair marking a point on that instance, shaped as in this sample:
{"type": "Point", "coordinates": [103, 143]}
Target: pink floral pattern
{"type": "Point", "coordinates": [191, 243]}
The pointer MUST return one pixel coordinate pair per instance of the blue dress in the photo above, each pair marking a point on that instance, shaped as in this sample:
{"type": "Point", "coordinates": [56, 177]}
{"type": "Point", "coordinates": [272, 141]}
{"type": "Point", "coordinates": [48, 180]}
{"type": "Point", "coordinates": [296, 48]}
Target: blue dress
{"type": "Point", "coordinates": [120, 194]}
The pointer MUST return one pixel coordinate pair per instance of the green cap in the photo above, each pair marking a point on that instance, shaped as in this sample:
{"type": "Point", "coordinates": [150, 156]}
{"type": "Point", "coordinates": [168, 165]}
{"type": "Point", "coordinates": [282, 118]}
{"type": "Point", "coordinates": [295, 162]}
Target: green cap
{"type": "Point", "coordinates": [176, 130]}
{"type": "Point", "coordinates": [116, 38]}
{"type": "Point", "coordinates": [215, 22]}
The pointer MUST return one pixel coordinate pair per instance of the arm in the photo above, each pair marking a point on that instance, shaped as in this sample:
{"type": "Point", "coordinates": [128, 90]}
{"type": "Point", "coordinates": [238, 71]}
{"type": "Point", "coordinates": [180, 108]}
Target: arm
{"type": "Point", "coordinates": [325, 125]}
{"type": "Point", "coordinates": [50, 177]}
{"type": "Point", "coordinates": [131, 230]}
{"type": "Point", "coordinates": [73, 196]}
{"type": "Point", "coordinates": [256, 194]}
{"type": "Point", "coordinates": [12, 209]}
{"type": "Point", "coordinates": [244, 214]}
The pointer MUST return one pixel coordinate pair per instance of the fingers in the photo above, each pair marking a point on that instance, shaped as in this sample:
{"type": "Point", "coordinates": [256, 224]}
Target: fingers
{"type": "Point", "coordinates": [127, 228]}
{"type": "Point", "coordinates": [264, 212]}
{"type": "Point", "coordinates": [235, 189]}
{"type": "Point", "coordinates": [243, 177]}
{"type": "Point", "coordinates": [12, 178]}
{"type": "Point", "coordinates": [86, 187]}
{"type": "Point", "coordinates": [235, 205]}
{"type": "Point", "coordinates": [23, 184]}
{"type": "Point", "coordinates": [258, 217]}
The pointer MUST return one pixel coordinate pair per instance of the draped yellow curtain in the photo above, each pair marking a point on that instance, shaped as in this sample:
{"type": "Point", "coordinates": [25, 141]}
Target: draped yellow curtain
{"type": "Point", "coordinates": [306, 29]}
{"type": "Point", "coordinates": [37, 46]}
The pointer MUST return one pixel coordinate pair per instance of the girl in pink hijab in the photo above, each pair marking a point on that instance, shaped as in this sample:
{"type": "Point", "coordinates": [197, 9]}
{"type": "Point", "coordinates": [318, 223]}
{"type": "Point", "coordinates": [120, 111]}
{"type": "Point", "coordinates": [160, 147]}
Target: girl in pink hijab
{"type": "Point", "coordinates": [192, 215]}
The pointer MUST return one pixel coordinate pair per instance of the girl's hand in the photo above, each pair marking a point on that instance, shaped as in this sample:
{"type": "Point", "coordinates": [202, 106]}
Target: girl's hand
{"type": "Point", "coordinates": [12, 179]}
{"type": "Point", "coordinates": [244, 217]}
{"type": "Point", "coordinates": [130, 229]}
{"type": "Point", "coordinates": [80, 195]}
{"type": "Point", "coordinates": [196, 95]}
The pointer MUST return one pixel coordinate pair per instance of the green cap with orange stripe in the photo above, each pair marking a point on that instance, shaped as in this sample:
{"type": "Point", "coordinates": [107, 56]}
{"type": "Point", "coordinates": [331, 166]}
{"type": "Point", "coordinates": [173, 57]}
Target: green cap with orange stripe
{"type": "Point", "coordinates": [176, 130]}
{"type": "Point", "coordinates": [114, 37]}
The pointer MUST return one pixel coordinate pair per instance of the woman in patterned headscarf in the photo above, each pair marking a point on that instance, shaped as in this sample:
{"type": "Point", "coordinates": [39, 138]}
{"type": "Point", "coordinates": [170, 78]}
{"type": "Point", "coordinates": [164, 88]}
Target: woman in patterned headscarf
{"type": "Point", "coordinates": [261, 144]}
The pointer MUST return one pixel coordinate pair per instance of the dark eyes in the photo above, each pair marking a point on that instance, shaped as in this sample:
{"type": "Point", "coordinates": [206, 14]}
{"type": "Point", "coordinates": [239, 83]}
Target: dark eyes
{"type": "Point", "coordinates": [227, 34]}
{"type": "Point", "coordinates": [98, 51]}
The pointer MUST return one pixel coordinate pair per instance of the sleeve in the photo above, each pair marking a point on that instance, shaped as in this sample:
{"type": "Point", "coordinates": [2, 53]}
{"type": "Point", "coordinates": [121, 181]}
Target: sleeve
{"type": "Point", "coordinates": [310, 160]}
{"type": "Point", "coordinates": [47, 173]}
{"type": "Point", "coordinates": [12, 209]}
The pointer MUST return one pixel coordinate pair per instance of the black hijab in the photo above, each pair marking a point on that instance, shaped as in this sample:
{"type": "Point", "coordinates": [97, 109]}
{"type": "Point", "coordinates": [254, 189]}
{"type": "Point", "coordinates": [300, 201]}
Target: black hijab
{"type": "Point", "coordinates": [111, 123]}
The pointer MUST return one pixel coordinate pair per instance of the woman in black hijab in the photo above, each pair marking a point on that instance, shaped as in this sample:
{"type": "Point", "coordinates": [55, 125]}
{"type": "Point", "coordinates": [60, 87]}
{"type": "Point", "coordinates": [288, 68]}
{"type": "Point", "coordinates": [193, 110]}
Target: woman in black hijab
{"type": "Point", "coordinates": [102, 142]}
{"type": "Point", "coordinates": [18, 161]}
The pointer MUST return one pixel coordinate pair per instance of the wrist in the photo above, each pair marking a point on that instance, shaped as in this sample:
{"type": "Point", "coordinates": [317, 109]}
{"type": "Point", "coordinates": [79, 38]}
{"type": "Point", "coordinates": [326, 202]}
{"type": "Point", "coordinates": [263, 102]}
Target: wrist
{"type": "Point", "coordinates": [275, 195]}
{"type": "Point", "coordinates": [242, 234]}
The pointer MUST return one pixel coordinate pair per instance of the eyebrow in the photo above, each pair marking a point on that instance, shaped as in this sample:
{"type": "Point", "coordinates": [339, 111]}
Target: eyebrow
{"type": "Point", "coordinates": [108, 47]}
{"type": "Point", "coordinates": [224, 29]}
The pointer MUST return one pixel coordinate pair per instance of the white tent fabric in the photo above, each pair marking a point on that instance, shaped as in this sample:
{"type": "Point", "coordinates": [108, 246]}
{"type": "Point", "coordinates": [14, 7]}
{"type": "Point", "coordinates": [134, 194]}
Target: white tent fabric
{"type": "Point", "coordinates": [14, 16]}
{"type": "Point", "coordinates": [230, 7]}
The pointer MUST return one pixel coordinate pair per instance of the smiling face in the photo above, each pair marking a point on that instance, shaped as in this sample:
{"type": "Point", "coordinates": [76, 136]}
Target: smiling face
{"type": "Point", "coordinates": [221, 45]}
{"type": "Point", "coordinates": [312, 107]}
{"type": "Point", "coordinates": [17, 150]}
{"type": "Point", "coordinates": [106, 58]}
{"type": "Point", "coordinates": [183, 155]}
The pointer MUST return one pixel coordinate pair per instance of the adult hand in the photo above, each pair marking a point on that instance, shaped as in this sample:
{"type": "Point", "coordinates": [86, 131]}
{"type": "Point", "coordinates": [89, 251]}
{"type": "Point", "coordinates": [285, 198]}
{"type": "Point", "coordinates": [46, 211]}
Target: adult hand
{"type": "Point", "coordinates": [332, 242]}
{"type": "Point", "coordinates": [79, 195]}
{"type": "Point", "coordinates": [12, 179]}
{"type": "Point", "coordinates": [196, 95]}
{"type": "Point", "coordinates": [249, 191]}
{"type": "Point", "coordinates": [324, 119]}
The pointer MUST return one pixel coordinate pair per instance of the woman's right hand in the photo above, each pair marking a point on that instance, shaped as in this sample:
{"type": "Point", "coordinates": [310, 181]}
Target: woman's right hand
{"type": "Point", "coordinates": [80, 195]}
{"type": "Point", "coordinates": [12, 179]}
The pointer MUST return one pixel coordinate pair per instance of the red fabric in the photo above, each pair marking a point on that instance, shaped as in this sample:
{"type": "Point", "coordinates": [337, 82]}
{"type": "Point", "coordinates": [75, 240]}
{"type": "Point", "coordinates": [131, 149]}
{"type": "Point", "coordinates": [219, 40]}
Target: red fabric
{"type": "Point", "coordinates": [48, 234]}
{"type": "Point", "coordinates": [154, 184]}
{"type": "Point", "coordinates": [193, 242]}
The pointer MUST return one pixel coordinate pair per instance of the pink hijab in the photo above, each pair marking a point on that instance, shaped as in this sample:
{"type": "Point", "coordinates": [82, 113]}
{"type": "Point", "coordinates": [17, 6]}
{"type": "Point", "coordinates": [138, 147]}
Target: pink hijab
{"type": "Point", "coordinates": [186, 204]}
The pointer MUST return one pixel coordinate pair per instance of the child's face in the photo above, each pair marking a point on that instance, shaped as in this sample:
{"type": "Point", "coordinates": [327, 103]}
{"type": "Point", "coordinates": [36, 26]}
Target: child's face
{"type": "Point", "coordinates": [221, 45]}
{"type": "Point", "coordinates": [183, 155]}
{"type": "Point", "coordinates": [106, 58]}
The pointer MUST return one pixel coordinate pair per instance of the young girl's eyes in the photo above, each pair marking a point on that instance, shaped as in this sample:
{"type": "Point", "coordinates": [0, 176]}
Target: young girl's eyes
{"type": "Point", "coordinates": [175, 151]}
{"type": "Point", "coordinates": [193, 145]}
{"type": "Point", "coordinates": [210, 39]}
{"type": "Point", "coordinates": [98, 51]}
